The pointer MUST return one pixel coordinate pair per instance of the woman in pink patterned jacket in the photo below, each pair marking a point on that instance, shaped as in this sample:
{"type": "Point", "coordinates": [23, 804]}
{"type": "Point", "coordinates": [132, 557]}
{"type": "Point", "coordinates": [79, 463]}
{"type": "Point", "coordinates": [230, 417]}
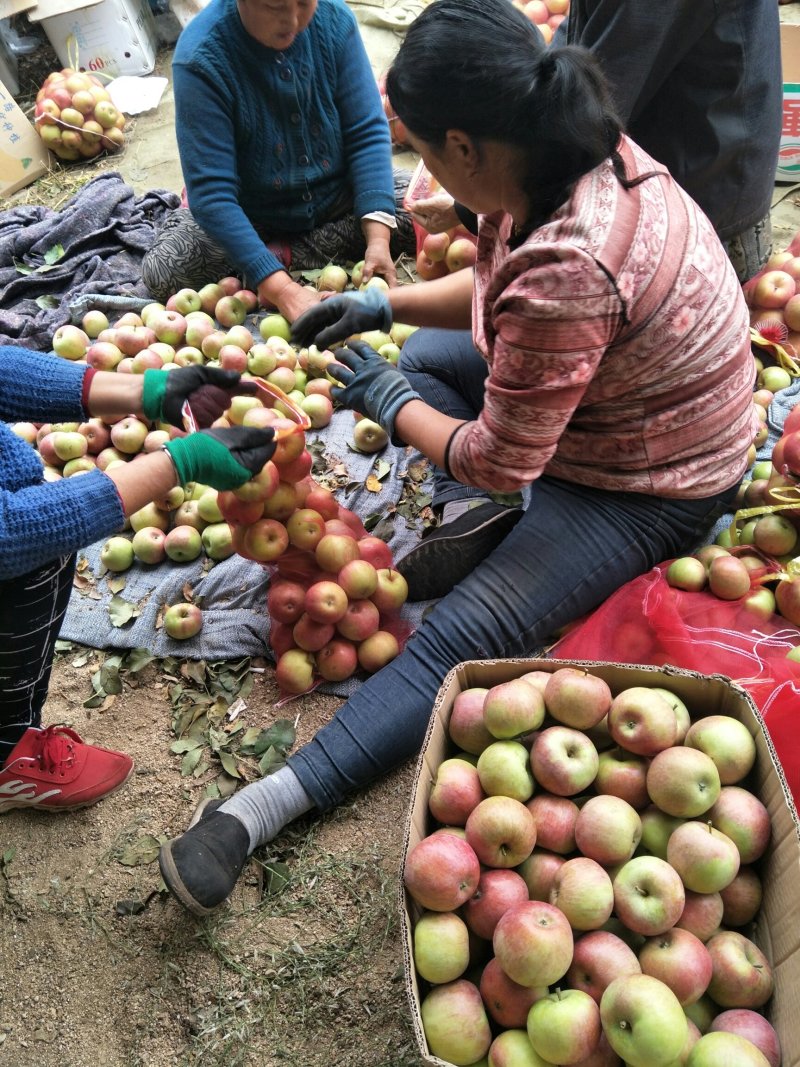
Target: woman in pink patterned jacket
{"type": "Point", "coordinates": [597, 358]}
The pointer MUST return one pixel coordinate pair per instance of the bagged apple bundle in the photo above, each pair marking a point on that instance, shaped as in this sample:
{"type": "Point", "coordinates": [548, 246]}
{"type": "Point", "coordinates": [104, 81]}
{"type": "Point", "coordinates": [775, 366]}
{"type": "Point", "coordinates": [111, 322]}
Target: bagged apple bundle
{"type": "Point", "coordinates": [76, 117]}
{"type": "Point", "coordinates": [589, 894]}
{"type": "Point", "coordinates": [438, 254]}
{"type": "Point", "coordinates": [546, 15]}
{"type": "Point", "coordinates": [334, 598]}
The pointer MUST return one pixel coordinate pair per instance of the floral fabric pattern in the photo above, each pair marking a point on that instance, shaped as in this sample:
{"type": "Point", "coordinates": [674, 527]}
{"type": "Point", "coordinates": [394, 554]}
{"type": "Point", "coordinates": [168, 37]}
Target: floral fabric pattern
{"type": "Point", "coordinates": [617, 341]}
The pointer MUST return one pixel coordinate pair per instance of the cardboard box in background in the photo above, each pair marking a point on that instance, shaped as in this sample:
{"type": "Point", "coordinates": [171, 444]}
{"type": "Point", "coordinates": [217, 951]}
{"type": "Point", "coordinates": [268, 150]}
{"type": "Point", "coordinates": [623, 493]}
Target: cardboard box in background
{"type": "Point", "coordinates": [111, 37]}
{"type": "Point", "coordinates": [789, 154]}
{"type": "Point", "coordinates": [23, 157]}
{"type": "Point", "coordinates": [778, 925]}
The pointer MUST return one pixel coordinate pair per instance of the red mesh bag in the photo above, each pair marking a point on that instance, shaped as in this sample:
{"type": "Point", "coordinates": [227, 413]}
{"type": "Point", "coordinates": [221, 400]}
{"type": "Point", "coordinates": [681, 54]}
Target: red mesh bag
{"type": "Point", "coordinates": [647, 621]}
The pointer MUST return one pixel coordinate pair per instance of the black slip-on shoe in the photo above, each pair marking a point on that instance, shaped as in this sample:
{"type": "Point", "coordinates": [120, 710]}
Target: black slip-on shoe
{"type": "Point", "coordinates": [449, 553]}
{"type": "Point", "coordinates": [202, 865]}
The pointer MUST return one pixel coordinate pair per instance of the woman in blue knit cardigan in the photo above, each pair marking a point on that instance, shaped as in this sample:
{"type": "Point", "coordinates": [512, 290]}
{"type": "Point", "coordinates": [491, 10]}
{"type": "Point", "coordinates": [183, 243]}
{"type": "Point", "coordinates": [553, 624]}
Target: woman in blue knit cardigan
{"type": "Point", "coordinates": [43, 523]}
{"type": "Point", "coordinates": [285, 152]}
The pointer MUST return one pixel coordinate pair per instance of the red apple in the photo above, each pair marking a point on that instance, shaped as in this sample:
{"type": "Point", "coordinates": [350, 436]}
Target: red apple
{"type": "Point", "coordinates": [501, 831]}
{"type": "Point", "coordinates": [598, 958]}
{"type": "Point", "coordinates": [325, 601]}
{"type": "Point", "coordinates": [376, 650]}
{"type": "Point", "coordinates": [507, 1001]}
{"type": "Point", "coordinates": [441, 872]}
{"type": "Point", "coordinates": [498, 890]}
{"type": "Point", "coordinates": [466, 727]}
{"type": "Point", "coordinates": [555, 819]}
{"type": "Point", "coordinates": [741, 975]}
{"type": "Point", "coordinates": [533, 944]}
{"type": "Point", "coordinates": [265, 540]}
{"type": "Point", "coordinates": [337, 660]}
{"type": "Point", "coordinates": [455, 791]}
{"type": "Point", "coordinates": [754, 1028]}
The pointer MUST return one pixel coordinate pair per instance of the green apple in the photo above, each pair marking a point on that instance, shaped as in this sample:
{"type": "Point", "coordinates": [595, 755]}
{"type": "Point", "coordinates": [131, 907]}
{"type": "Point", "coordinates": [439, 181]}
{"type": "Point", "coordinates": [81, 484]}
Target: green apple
{"type": "Point", "coordinates": [706, 859]}
{"type": "Point", "coordinates": [117, 554]}
{"type": "Point", "coordinates": [217, 540]}
{"type": "Point", "coordinates": [512, 709]}
{"type": "Point", "coordinates": [182, 621]}
{"type": "Point", "coordinates": [683, 781]}
{"type": "Point", "coordinates": [455, 1023]}
{"type": "Point", "coordinates": [564, 1027]}
{"type": "Point", "coordinates": [504, 770]}
{"type": "Point", "coordinates": [275, 325]}
{"type": "Point", "coordinates": [648, 895]}
{"type": "Point", "coordinates": [729, 744]}
{"type": "Point", "coordinates": [441, 946]}
{"type": "Point", "coordinates": [723, 1048]}
{"type": "Point", "coordinates": [657, 827]}
{"type": "Point", "coordinates": [643, 1021]}
{"type": "Point", "coordinates": [583, 891]}
{"type": "Point", "coordinates": [512, 1048]}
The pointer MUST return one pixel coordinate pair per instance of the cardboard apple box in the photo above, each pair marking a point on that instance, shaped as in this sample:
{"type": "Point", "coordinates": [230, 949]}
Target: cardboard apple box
{"type": "Point", "coordinates": [777, 927]}
{"type": "Point", "coordinates": [789, 152]}
{"type": "Point", "coordinates": [23, 156]}
{"type": "Point", "coordinates": [111, 37]}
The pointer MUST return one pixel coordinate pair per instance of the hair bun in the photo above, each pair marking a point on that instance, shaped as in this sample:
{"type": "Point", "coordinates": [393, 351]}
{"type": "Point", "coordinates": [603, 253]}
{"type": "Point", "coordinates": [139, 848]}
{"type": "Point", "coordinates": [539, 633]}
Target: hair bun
{"type": "Point", "coordinates": [546, 65]}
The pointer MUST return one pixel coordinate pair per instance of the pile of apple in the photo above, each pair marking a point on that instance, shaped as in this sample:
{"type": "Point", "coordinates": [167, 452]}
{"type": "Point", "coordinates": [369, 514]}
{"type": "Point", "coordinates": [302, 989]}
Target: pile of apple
{"type": "Point", "coordinates": [334, 597]}
{"type": "Point", "coordinates": [76, 117]}
{"type": "Point", "coordinates": [445, 253]}
{"type": "Point", "coordinates": [546, 15]}
{"type": "Point", "coordinates": [207, 326]}
{"type": "Point", "coordinates": [587, 897]}
{"type": "Point", "coordinates": [751, 570]}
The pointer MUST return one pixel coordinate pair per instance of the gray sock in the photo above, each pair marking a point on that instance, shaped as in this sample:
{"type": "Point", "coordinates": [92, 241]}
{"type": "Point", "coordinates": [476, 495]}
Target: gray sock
{"type": "Point", "coordinates": [266, 806]}
{"type": "Point", "coordinates": [454, 509]}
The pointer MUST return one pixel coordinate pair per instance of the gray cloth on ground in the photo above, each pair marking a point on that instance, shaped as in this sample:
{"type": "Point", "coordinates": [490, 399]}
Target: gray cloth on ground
{"type": "Point", "coordinates": [233, 593]}
{"type": "Point", "coordinates": [105, 230]}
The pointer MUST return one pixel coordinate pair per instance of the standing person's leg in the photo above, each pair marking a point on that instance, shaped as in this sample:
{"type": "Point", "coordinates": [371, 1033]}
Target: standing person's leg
{"type": "Point", "coordinates": [449, 373]}
{"type": "Point", "coordinates": [49, 769]}
{"type": "Point", "coordinates": [749, 251]}
{"type": "Point", "coordinates": [573, 547]}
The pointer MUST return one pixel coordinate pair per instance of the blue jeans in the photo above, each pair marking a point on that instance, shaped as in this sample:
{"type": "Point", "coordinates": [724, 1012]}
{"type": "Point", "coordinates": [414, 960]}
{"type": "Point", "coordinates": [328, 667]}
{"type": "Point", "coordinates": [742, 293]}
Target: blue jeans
{"type": "Point", "coordinates": [572, 548]}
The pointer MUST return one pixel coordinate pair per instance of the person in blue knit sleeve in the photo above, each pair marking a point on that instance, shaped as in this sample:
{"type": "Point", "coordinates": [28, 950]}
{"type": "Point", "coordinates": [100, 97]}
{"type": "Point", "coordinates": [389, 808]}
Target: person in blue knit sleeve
{"type": "Point", "coordinates": [285, 152]}
{"type": "Point", "coordinates": [43, 524]}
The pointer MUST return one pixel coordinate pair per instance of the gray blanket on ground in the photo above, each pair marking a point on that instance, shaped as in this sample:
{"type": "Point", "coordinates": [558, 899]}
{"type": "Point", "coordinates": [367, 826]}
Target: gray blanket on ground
{"type": "Point", "coordinates": [104, 231]}
{"type": "Point", "coordinates": [233, 593]}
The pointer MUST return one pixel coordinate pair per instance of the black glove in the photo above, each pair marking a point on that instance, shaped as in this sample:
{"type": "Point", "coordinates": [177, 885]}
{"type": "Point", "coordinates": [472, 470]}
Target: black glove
{"type": "Point", "coordinates": [371, 385]}
{"type": "Point", "coordinates": [340, 317]}
{"type": "Point", "coordinates": [224, 458]}
{"type": "Point", "coordinates": [208, 389]}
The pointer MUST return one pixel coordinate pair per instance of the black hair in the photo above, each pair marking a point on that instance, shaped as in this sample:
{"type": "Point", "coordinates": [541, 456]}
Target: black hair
{"type": "Point", "coordinates": [482, 67]}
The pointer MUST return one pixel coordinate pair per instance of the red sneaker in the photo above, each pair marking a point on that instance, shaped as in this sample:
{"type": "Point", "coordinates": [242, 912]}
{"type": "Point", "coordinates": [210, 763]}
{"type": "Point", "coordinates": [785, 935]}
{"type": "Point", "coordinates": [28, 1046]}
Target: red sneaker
{"type": "Point", "coordinates": [53, 770]}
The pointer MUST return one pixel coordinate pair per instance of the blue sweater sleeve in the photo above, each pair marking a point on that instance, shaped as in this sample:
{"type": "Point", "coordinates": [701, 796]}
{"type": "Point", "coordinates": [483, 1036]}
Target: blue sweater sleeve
{"type": "Point", "coordinates": [39, 388]}
{"type": "Point", "coordinates": [41, 522]}
{"type": "Point", "coordinates": [364, 127]}
{"type": "Point", "coordinates": [206, 143]}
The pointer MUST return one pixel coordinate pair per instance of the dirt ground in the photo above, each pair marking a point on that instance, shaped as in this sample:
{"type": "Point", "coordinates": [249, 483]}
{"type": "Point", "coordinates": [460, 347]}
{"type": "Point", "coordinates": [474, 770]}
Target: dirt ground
{"type": "Point", "coordinates": [100, 968]}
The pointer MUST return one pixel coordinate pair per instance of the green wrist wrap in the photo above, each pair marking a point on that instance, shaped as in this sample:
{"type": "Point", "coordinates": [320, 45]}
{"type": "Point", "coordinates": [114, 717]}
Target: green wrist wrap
{"type": "Point", "coordinates": [200, 458]}
{"type": "Point", "coordinates": [154, 387]}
